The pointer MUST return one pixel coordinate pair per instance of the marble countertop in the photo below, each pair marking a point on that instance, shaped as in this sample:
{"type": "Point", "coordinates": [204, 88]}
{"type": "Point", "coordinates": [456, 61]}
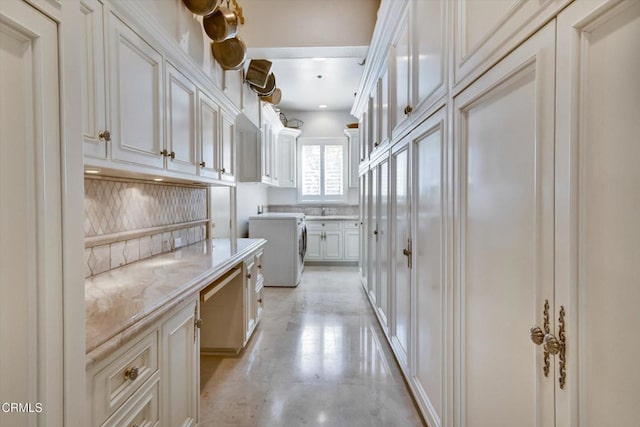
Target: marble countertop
{"type": "Point", "coordinates": [121, 303]}
{"type": "Point", "coordinates": [332, 217]}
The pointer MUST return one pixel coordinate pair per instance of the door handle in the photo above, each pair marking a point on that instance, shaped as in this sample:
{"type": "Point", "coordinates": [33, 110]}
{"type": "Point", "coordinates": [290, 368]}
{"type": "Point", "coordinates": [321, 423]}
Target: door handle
{"type": "Point", "coordinates": [537, 336]}
{"type": "Point", "coordinates": [407, 252]}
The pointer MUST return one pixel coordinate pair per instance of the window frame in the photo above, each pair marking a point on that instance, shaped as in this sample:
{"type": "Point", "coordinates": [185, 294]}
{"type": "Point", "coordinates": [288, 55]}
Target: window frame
{"type": "Point", "coordinates": [322, 142]}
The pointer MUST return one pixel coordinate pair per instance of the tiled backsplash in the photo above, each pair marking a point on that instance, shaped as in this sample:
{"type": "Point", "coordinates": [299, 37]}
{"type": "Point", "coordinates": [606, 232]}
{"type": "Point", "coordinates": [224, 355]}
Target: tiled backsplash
{"type": "Point", "coordinates": [126, 221]}
{"type": "Point", "coordinates": [316, 209]}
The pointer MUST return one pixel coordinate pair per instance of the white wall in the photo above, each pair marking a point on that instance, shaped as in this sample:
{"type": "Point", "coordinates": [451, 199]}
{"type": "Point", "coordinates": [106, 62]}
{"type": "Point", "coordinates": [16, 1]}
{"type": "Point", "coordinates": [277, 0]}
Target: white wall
{"type": "Point", "coordinates": [248, 196]}
{"type": "Point", "coordinates": [316, 124]}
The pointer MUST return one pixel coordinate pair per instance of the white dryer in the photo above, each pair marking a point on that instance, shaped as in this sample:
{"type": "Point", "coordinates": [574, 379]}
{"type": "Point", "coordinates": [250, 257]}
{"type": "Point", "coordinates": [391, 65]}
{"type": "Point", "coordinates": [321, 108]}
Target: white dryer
{"type": "Point", "coordinates": [285, 250]}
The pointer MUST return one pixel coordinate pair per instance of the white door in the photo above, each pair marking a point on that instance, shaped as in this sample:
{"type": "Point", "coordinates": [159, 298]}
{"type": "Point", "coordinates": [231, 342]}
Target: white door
{"type": "Point", "coordinates": [429, 295]}
{"type": "Point", "coordinates": [94, 99]}
{"type": "Point", "coordinates": [504, 243]}
{"type": "Point", "coordinates": [332, 245]}
{"type": "Point", "coordinates": [382, 299]}
{"type": "Point", "coordinates": [181, 122]}
{"type": "Point", "coordinates": [227, 153]}
{"type": "Point", "coordinates": [598, 211]}
{"type": "Point", "coordinates": [364, 227]}
{"type": "Point", "coordinates": [180, 368]}
{"type": "Point", "coordinates": [372, 277]}
{"type": "Point", "coordinates": [136, 89]}
{"type": "Point", "coordinates": [314, 245]}
{"type": "Point", "coordinates": [209, 137]}
{"type": "Point", "coordinates": [30, 217]}
{"type": "Point", "coordinates": [400, 253]}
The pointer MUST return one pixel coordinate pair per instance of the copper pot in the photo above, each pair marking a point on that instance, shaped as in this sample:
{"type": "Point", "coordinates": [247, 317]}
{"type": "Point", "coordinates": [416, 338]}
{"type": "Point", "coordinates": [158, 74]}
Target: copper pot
{"type": "Point", "coordinates": [258, 72]}
{"type": "Point", "coordinates": [200, 7]}
{"type": "Point", "coordinates": [269, 87]}
{"type": "Point", "coordinates": [274, 98]}
{"type": "Point", "coordinates": [230, 53]}
{"type": "Point", "coordinates": [221, 25]}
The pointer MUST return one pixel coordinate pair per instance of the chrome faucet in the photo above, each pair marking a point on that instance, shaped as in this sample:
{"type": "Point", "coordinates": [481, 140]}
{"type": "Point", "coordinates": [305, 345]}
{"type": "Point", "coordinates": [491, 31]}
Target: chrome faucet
{"type": "Point", "coordinates": [322, 212]}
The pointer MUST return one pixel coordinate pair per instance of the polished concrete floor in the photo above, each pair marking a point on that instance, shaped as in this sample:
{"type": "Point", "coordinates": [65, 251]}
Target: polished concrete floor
{"type": "Point", "coordinates": [317, 358]}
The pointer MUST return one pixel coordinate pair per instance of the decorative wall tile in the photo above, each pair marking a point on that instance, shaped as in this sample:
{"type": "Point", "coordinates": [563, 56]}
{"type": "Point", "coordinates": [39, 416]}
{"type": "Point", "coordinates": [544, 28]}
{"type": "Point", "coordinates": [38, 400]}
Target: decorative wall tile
{"type": "Point", "coordinates": [100, 259]}
{"type": "Point", "coordinates": [117, 254]}
{"type": "Point", "coordinates": [87, 269]}
{"type": "Point", "coordinates": [316, 209]}
{"type": "Point", "coordinates": [116, 206]}
{"type": "Point", "coordinates": [145, 247]}
{"type": "Point", "coordinates": [132, 251]}
{"type": "Point", "coordinates": [167, 242]}
{"type": "Point", "coordinates": [156, 244]}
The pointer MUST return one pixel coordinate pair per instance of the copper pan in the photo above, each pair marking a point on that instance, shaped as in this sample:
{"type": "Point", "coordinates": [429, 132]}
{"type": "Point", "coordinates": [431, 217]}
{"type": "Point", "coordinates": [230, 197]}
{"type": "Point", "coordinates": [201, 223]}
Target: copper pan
{"type": "Point", "coordinates": [258, 72]}
{"type": "Point", "coordinates": [230, 53]}
{"type": "Point", "coordinates": [269, 87]}
{"type": "Point", "coordinates": [274, 98]}
{"type": "Point", "coordinates": [200, 7]}
{"type": "Point", "coordinates": [221, 25]}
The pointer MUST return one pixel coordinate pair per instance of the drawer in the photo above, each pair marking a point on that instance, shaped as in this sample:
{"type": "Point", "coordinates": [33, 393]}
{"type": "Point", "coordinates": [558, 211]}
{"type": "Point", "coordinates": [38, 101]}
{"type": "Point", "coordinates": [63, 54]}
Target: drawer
{"type": "Point", "coordinates": [143, 409]}
{"type": "Point", "coordinates": [123, 376]}
{"type": "Point", "coordinates": [324, 225]}
{"type": "Point", "coordinates": [351, 225]}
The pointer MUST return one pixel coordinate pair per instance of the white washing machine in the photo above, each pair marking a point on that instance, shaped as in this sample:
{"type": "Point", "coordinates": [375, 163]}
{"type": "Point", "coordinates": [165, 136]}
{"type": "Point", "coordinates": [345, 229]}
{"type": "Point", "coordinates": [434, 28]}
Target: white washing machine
{"type": "Point", "coordinates": [286, 247]}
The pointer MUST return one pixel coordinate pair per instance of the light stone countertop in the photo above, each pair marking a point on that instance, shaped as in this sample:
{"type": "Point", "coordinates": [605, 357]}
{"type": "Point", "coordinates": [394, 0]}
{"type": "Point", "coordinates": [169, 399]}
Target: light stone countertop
{"type": "Point", "coordinates": [121, 303]}
{"type": "Point", "coordinates": [332, 217]}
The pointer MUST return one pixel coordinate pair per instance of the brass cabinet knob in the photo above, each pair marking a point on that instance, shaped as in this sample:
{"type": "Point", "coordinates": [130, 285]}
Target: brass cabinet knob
{"type": "Point", "coordinates": [223, 170]}
{"type": "Point", "coordinates": [164, 152]}
{"type": "Point", "coordinates": [198, 323]}
{"type": "Point", "coordinates": [131, 373]}
{"type": "Point", "coordinates": [203, 164]}
{"type": "Point", "coordinates": [249, 276]}
{"type": "Point", "coordinates": [260, 266]}
{"type": "Point", "coordinates": [408, 110]}
{"type": "Point", "coordinates": [551, 344]}
{"type": "Point", "coordinates": [105, 134]}
{"type": "Point", "coordinates": [536, 334]}
{"type": "Point", "coordinates": [375, 233]}
{"type": "Point", "coordinates": [375, 144]}
{"type": "Point", "coordinates": [260, 300]}
{"type": "Point", "coordinates": [172, 155]}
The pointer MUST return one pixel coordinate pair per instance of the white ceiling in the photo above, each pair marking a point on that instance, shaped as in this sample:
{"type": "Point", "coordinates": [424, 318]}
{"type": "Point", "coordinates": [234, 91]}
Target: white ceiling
{"type": "Point", "coordinates": [292, 33]}
{"type": "Point", "coordinates": [303, 90]}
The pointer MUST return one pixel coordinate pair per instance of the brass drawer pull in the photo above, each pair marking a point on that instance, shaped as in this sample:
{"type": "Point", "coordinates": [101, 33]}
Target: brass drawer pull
{"type": "Point", "coordinates": [105, 135]}
{"type": "Point", "coordinates": [203, 164]}
{"type": "Point", "coordinates": [131, 373]}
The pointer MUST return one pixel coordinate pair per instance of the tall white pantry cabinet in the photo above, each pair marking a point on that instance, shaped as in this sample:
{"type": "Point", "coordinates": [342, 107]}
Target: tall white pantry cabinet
{"type": "Point", "coordinates": [514, 247]}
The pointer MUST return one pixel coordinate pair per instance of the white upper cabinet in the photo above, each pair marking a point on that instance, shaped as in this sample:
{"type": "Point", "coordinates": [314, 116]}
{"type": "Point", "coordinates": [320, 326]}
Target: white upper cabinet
{"type": "Point", "coordinates": [209, 136]}
{"type": "Point", "coordinates": [136, 92]}
{"type": "Point", "coordinates": [227, 148]}
{"type": "Point", "coordinates": [354, 161]}
{"type": "Point", "coordinates": [181, 122]}
{"type": "Point", "coordinates": [484, 31]}
{"type": "Point", "coordinates": [286, 156]}
{"type": "Point", "coordinates": [94, 98]}
{"type": "Point", "coordinates": [401, 66]}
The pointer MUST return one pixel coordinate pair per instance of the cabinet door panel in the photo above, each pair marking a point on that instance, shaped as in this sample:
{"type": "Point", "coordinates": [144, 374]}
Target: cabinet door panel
{"type": "Point", "coordinates": [400, 51]}
{"type": "Point", "coordinates": [598, 204]}
{"type": "Point", "coordinates": [505, 232]}
{"type": "Point", "coordinates": [364, 227]}
{"type": "Point", "coordinates": [383, 240]}
{"type": "Point", "coordinates": [314, 246]}
{"type": "Point", "coordinates": [209, 135]}
{"type": "Point", "coordinates": [180, 368]}
{"type": "Point", "coordinates": [286, 155]}
{"type": "Point", "coordinates": [227, 149]}
{"type": "Point", "coordinates": [351, 250]}
{"type": "Point", "coordinates": [94, 100]}
{"type": "Point", "coordinates": [429, 297]}
{"type": "Point", "coordinates": [181, 122]}
{"type": "Point", "coordinates": [372, 277]}
{"type": "Point", "coordinates": [136, 87]}
{"type": "Point", "coordinates": [401, 233]}
{"type": "Point", "coordinates": [332, 245]}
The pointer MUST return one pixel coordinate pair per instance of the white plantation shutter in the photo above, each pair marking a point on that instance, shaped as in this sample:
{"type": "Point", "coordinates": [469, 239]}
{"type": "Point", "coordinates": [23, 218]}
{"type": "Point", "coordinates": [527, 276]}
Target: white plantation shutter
{"type": "Point", "coordinates": [322, 169]}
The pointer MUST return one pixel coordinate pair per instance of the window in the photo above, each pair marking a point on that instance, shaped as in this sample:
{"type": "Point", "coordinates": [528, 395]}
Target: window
{"type": "Point", "coordinates": [322, 169]}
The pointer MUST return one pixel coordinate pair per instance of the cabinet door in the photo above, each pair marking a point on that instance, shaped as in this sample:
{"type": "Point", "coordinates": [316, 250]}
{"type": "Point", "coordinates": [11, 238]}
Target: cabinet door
{"type": "Point", "coordinates": [227, 149]}
{"type": "Point", "coordinates": [354, 161]}
{"type": "Point", "coordinates": [136, 89]}
{"type": "Point", "coordinates": [209, 136]}
{"type": "Point", "coordinates": [94, 100]}
{"type": "Point", "coordinates": [273, 157]}
{"type": "Point", "coordinates": [181, 122]}
{"type": "Point", "coordinates": [372, 276]}
{"type": "Point", "coordinates": [399, 261]}
{"type": "Point", "coordinates": [332, 246]}
{"type": "Point", "coordinates": [364, 227]}
{"type": "Point", "coordinates": [251, 276]}
{"type": "Point", "coordinates": [427, 371]}
{"type": "Point", "coordinates": [597, 211]}
{"type": "Point", "coordinates": [314, 245]}
{"type": "Point", "coordinates": [505, 237]}
{"type": "Point", "coordinates": [382, 202]}
{"type": "Point", "coordinates": [31, 285]}
{"type": "Point", "coordinates": [385, 112]}
{"type": "Point", "coordinates": [351, 245]}
{"type": "Point", "coordinates": [265, 153]}
{"type": "Point", "coordinates": [286, 161]}
{"type": "Point", "coordinates": [180, 368]}
{"type": "Point", "coordinates": [401, 67]}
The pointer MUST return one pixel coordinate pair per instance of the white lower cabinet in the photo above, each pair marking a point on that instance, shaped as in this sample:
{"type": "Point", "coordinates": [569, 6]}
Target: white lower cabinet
{"type": "Point", "coordinates": [155, 377]}
{"type": "Point", "coordinates": [327, 240]}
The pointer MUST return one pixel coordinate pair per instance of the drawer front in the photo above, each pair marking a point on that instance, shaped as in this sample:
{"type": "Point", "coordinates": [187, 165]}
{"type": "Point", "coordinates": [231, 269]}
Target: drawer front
{"type": "Point", "coordinates": [351, 225]}
{"type": "Point", "coordinates": [143, 409]}
{"type": "Point", "coordinates": [259, 257]}
{"type": "Point", "coordinates": [123, 376]}
{"type": "Point", "coordinates": [324, 225]}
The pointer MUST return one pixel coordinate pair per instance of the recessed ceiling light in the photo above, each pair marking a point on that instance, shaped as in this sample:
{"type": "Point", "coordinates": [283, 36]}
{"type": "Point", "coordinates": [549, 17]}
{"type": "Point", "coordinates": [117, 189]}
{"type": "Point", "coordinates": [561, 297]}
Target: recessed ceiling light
{"type": "Point", "coordinates": [92, 171]}
{"type": "Point", "coordinates": [323, 106]}
{"type": "Point", "coordinates": [319, 59]}
{"type": "Point", "coordinates": [158, 179]}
